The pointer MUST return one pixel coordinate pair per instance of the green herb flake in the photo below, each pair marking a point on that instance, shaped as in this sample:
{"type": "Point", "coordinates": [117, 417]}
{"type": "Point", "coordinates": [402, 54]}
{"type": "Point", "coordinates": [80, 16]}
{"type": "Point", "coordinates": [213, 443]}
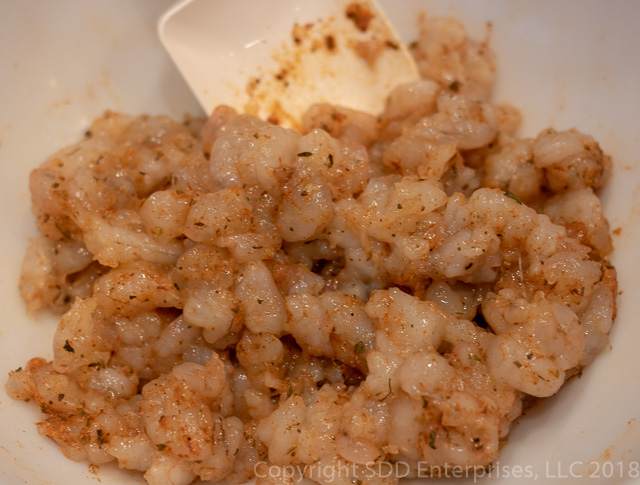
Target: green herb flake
{"type": "Point", "coordinates": [454, 86]}
{"type": "Point", "coordinates": [100, 437]}
{"type": "Point", "coordinates": [131, 297]}
{"type": "Point", "coordinates": [18, 369]}
{"type": "Point", "coordinates": [305, 154]}
{"type": "Point", "coordinates": [97, 364]}
{"type": "Point", "coordinates": [330, 162]}
{"type": "Point", "coordinates": [175, 285]}
{"type": "Point", "coordinates": [291, 450]}
{"type": "Point", "coordinates": [67, 347]}
{"type": "Point", "coordinates": [425, 403]}
{"type": "Point", "coordinates": [157, 231]}
{"type": "Point", "coordinates": [517, 364]}
{"type": "Point", "coordinates": [260, 301]}
{"type": "Point", "coordinates": [359, 348]}
{"type": "Point", "coordinates": [399, 206]}
{"type": "Point", "coordinates": [474, 357]}
{"type": "Point", "coordinates": [55, 185]}
{"type": "Point", "coordinates": [432, 440]}
{"type": "Point", "coordinates": [199, 224]}
{"type": "Point", "coordinates": [289, 391]}
{"type": "Point", "coordinates": [513, 196]}
{"type": "Point", "coordinates": [60, 397]}
{"type": "Point", "coordinates": [161, 446]}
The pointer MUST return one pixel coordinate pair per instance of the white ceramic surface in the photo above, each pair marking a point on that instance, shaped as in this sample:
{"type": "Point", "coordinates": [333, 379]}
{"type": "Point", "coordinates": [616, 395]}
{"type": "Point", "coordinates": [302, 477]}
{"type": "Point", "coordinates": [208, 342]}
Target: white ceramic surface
{"type": "Point", "coordinates": [569, 63]}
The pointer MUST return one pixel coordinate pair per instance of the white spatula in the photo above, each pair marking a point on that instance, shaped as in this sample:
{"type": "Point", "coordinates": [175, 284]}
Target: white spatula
{"type": "Point", "coordinates": [276, 58]}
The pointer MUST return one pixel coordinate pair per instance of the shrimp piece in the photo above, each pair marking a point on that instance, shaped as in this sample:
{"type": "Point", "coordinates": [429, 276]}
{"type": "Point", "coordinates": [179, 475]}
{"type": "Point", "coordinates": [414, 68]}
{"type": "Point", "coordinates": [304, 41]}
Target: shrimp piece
{"type": "Point", "coordinates": [445, 54]}
{"type": "Point", "coordinates": [345, 124]}
{"type": "Point", "coordinates": [345, 165]}
{"type": "Point", "coordinates": [77, 341]}
{"type": "Point", "coordinates": [512, 168]}
{"type": "Point", "coordinates": [570, 160]}
{"type": "Point", "coordinates": [261, 356]}
{"type": "Point", "coordinates": [407, 104]}
{"type": "Point", "coordinates": [263, 305]}
{"type": "Point", "coordinates": [215, 125]}
{"type": "Point", "coordinates": [404, 324]}
{"type": "Point", "coordinates": [164, 213]}
{"type": "Point", "coordinates": [139, 286]}
{"type": "Point", "coordinates": [321, 425]}
{"type": "Point", "coordinates": [537, 342]}
{"type": "Point", "coordinates": [219, 214]}
{"type": "Point", "coordinates": [306, 206]}
{"type": "Point", "coordinates": [580, 212]}
{"type": "Point", "coordinates": [281, 430]}
{"type": "Point", "coordinates": [227, 436]}
{"type": "Point", "coordinates": [249, 151]}
{"type": "Point", "coordinates": [133, 452]}
{"type": "Point", "coordinates": [169, 470]}
{"type": "Point", "coordinates": [177, 408]}
{"type": "Point", "coordinates": [309, 324]}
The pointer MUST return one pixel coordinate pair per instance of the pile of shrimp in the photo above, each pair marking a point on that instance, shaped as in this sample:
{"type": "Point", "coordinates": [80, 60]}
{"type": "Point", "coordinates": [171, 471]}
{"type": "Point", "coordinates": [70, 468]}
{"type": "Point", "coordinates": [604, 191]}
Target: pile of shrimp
{"type": "Point", "coordinates": [239, 299]}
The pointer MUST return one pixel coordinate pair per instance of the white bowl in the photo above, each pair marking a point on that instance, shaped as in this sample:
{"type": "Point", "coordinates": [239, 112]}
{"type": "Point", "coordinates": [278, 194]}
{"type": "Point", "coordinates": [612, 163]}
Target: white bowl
{"type": "Point", "coordinates": [564, 64]}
